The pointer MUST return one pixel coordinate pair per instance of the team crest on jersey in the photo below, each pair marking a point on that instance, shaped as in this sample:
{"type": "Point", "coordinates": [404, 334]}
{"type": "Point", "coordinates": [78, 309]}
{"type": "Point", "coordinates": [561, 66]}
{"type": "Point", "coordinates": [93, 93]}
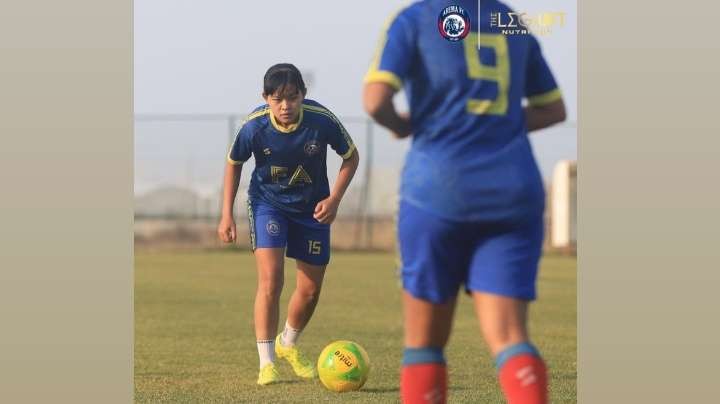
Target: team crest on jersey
{"type": "Point", "coordinates": [312, 148]}
{"type": "Point", "coordinates": [273, 228]}
{"type": "Point", "coordinates": [454, 23]}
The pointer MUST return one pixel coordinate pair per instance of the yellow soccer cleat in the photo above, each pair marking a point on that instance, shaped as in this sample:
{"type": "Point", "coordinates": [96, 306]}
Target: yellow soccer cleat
{"type": "Point", "coordinates": [300, 364]}
{"type": "Point", "coordinates": [268, 375]}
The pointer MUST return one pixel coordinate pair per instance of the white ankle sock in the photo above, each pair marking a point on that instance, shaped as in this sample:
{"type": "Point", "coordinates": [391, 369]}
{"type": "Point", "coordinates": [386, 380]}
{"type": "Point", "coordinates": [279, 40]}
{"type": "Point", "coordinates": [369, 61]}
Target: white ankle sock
{"type": "Point", "coordinates": [266, 352]}
{"type": "Point", "coordinates": [289, 335]}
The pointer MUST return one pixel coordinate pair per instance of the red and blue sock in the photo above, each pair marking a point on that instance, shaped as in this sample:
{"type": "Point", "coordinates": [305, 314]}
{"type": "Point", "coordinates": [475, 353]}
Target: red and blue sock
{"type": "Point", "coordinates": [522, 374]}
{"type": "Point", "coordinates": [424, 376]}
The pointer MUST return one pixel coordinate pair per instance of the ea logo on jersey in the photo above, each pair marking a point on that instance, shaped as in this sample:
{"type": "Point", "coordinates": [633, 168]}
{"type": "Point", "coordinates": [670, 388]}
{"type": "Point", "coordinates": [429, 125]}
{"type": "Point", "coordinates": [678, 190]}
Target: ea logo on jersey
{"type": "Point", "coordinates": [311, 148]}
{"type": "Point", "coordinates": [273, 228]}
{"type": "Point", "coordinates": [454, 23]}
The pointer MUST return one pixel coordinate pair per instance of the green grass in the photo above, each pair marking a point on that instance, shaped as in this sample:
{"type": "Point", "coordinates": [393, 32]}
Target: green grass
{"type": "Point", "coordinates": [194, 339]}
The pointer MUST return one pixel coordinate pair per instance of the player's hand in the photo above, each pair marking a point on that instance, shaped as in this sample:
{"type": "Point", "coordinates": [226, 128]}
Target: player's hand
{"type": "Point", "coordinates": [403, 129]}
{"type": "Point", "coordinates": [226, 230]}
{"type": "Point", "coordinates": [326, 210]}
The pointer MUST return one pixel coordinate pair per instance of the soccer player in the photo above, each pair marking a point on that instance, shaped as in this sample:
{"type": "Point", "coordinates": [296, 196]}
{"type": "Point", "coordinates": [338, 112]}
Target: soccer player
{"type": "Point", "coordinates": [290, 205]}
{"type": "Point", "coordinates": [471, 195]}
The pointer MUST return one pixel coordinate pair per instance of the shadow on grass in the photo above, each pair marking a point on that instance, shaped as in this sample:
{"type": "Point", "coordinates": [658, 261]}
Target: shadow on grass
{"type": "Point", "coordinates": [397, 389]}
{"type": "Point", "coordinates": [291, 381]}
{"type": "Point", "coordinates": [277, 383]}
{"type": "Point", "coordinates": [381, 390]}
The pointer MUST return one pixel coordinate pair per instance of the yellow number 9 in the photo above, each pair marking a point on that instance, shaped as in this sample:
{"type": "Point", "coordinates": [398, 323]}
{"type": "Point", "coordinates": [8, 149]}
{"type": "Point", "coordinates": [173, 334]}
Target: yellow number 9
{"type": "Point", "coordinates": [500, 73]}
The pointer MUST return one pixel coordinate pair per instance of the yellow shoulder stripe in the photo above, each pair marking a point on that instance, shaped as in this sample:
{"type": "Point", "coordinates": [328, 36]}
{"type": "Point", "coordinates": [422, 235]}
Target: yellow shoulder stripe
{"type": "Point", "coordinates": [384, 76]}
{"type": "Point", "coordinates": [249, 118]}
{"type": "Point", "coordinates": [545, 98]}
{"type": "Point", "coordinates": [374, 73]}
{"type": "Point", "coordinates": [327, 113]}
{"type": "Point", "coordinates": [233, 162]}
{"type": "Point", "coordinates": [256, 114]}
{"type": "Point", "coordinates": [349, 152]}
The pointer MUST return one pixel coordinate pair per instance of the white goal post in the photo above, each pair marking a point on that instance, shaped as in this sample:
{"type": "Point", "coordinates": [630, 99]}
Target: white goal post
{"type": "Point", "coordinates": [563, 205]}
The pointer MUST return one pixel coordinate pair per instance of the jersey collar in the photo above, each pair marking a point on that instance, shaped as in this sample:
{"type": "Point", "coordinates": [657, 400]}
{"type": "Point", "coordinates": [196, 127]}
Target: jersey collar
{"type": "Point", "coordinates": [290, 128]}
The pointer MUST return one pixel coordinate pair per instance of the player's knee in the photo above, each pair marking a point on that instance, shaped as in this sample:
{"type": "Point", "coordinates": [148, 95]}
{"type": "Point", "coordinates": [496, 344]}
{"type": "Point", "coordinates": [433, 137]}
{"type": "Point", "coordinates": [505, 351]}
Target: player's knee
{"type": "Point", "coordinates": [271, 288]}
{"type": "Point", "coordinates": [500, 339]}
{"type": "Point", "coordinates": [309, 293]}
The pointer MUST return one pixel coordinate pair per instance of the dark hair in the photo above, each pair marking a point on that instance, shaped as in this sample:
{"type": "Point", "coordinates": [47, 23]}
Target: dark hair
{"type": "Point", "coordinates": [281, 75]}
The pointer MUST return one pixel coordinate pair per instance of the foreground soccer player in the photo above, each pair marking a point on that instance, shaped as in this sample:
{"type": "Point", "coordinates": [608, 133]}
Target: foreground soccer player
{"type": "Point", "coordinates": [289, 205]}
{"type": "Point", "coordinates": [471, 195]}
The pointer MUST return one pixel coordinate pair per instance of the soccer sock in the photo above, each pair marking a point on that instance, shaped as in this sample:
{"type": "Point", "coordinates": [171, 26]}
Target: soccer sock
{"type": "Point", "coordinates": [289, 335]}
{"type": "Point", "coordinates": [266, 352]}
{"type": "Point", "coordinates": [423, 379]}
{"type": "Point", "coordinates": [522, 374]}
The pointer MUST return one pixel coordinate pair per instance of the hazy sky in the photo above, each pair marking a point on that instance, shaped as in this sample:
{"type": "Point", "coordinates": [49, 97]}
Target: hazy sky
{"type": "Point", "coordinates": [210, 56]}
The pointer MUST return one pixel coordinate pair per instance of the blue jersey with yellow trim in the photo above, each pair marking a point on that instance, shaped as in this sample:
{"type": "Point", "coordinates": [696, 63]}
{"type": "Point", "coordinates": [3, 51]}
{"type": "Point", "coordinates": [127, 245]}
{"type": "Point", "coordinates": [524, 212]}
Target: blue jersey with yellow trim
{"type": "Point", "coordinates": [470, 157]}
{"type": "Point", "coordinates": [290, 163]}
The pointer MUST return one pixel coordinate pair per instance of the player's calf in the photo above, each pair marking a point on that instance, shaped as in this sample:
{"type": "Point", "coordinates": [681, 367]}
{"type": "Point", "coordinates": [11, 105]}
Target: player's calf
{"type": "Point", "coordinates": [423, 379]}
{"type": "Point", "coordinates": [522, 374]}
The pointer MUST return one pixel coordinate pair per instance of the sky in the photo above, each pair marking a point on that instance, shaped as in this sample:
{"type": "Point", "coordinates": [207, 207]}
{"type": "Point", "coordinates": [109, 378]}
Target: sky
{"type": "Point", "coordinates": [209, 57]}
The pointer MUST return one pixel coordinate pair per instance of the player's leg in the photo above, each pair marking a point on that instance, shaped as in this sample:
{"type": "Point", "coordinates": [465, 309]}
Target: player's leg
{"type": "Point", "coordinates": [521, 370]}
{"type": "Point", "coordinates": [268, 236]}
{"type": "Point", "coordinates": [503, 320]}
{"type": "Point", "coordinates": [269, 262]}
{"type": "Point", "coordinates": [309, 244]}
{"type": "Point", "coordinates": [502, 279]}
{"type": "Point", "coordinates": [427, 326]}
{"type": "Point", "coordinates": [303, 301]}
{"type": "Point", "coordinates": [434, 256]}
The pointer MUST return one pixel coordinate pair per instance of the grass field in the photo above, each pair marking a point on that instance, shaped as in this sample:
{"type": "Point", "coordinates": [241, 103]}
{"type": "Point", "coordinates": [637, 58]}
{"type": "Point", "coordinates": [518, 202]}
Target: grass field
{"type": "Point", "coordinates": [194, 339]}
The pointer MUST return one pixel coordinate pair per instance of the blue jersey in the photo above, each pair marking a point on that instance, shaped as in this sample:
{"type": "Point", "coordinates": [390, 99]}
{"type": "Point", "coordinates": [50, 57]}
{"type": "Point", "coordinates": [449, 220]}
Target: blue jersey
{"type": "Point", "coordinates": [470, 157]}
{"type": "Point", "coordinates": [290, 163]}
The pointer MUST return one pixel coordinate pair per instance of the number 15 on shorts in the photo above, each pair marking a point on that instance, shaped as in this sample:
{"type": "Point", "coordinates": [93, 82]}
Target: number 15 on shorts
{"type": "Point", "coordinates": [314, 247]}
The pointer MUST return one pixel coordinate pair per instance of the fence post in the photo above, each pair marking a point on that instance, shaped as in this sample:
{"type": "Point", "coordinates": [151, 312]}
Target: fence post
{"type": "Point", "coordinates": [367, 217]}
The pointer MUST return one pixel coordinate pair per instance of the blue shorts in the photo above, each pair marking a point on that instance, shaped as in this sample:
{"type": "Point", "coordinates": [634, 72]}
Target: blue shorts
{"type": "Point", "coordinates": [306, 239]}
{"type": "Point", "coordinates": [438, 255]}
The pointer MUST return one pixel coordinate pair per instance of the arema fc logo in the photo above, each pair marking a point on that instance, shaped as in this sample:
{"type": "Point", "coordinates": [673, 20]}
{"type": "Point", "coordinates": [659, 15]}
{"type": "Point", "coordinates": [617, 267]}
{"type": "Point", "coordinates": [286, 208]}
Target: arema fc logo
{"type": "Point", "coordinates": [273, 227]}
{"type": "Point", "coordinates": [311, 148]}
{"type": "Point", "coordinates": [454, 23]}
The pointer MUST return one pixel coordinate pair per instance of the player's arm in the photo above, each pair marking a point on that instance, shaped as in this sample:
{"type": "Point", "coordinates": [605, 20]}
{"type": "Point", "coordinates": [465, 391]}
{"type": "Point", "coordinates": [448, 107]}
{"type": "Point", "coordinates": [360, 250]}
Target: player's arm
{"type": "Point", "coordinates": [326, 210]}
{"type": "Point", "coordinates": [378, 102]}
{"type": "Point", "coordinates": [226, 229]}
{"type": "Point", "coordinates": [390, 68]}
{"type": "Point", "coordinates": [240, 151]}
{"type": "Point", "coordinates": [542, 116]}
{"type": "Point", "coordinates": [545, 105]}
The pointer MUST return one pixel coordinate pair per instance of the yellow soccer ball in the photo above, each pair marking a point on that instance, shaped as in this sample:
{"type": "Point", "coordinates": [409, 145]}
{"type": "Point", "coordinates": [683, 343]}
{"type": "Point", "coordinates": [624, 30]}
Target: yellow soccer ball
{"type": "Point", "coordinates": [343, 366]}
